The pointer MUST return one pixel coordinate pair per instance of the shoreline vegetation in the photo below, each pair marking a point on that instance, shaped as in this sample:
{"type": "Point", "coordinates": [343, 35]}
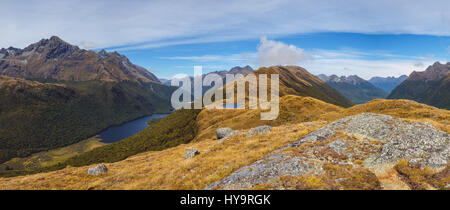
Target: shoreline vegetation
{"type": "Point", "coordinates": [179, 127]}
{"type": "Point", "coordinates": [59, 155]}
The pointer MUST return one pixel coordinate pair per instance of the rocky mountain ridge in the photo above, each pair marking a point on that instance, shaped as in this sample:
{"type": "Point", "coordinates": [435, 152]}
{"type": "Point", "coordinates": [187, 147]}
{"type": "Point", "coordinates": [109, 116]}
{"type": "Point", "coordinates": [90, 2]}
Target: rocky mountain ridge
{"type": "Point", "coordinates": [55, 59]}
{"type": "Point", "coordinates": [431, 86]}
{"type": "Point", "coordinates": [354, 88]}
{"type": "Point", "coordinates": [387, 83]}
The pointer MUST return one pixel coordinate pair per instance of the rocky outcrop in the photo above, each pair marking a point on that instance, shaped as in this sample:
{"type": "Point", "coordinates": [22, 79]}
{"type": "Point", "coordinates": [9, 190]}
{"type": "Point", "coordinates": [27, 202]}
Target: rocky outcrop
{"type": "Point", "coordinates": [191, 153]}
{"type": "Point", "coordinates": [358, 143]}
{"type": "Point", "coordinates": [224, 133]}
{"type": "Point", "coordinates": [259, 130]}
{"type": "Point", "coordinates": [97, 170]}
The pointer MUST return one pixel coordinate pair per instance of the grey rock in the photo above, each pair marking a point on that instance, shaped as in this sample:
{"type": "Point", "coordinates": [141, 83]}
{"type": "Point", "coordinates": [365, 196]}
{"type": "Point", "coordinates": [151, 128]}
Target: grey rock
{"type": "Point", "coordinates": [401, 139]}
{"type": "Point", "coordinates": [191, 153]}
{"type": "Point", "coordinates": [338, 146]}
{"type": "Point", "coordinates": [415, 162]}
{"type": "Point", "coordinates": [223, 133]}
{"type": "Point", "coordinates": [341, 179]}
{"type": "Point", "coordinates": [259, 130]}
{"type": "Point", "coordinates": [97, 170]}
{"type": "Point", "coordinates": [262, 171]}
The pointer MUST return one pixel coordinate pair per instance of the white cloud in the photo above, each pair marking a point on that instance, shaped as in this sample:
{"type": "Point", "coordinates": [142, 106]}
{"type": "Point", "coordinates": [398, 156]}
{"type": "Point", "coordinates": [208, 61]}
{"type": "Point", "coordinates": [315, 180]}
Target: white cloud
{"type": "Point", "coordinates": [272, 52]}
{"type": "Point", "coordinates": [137, 24]}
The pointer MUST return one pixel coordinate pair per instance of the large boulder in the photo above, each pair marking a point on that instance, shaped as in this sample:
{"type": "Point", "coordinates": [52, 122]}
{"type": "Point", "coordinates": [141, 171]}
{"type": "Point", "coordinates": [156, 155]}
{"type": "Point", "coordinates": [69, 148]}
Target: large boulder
{"type": "Point", "coordinates": [191, 153]}
{"type": "Point", "coordinates": [259, 130]}
{"type": "Point", "coordinates": [365, 145]}
{"type": "Point", "coordinates": [223, 133]}
{"type": "Point", "coordinates": [97, 170]}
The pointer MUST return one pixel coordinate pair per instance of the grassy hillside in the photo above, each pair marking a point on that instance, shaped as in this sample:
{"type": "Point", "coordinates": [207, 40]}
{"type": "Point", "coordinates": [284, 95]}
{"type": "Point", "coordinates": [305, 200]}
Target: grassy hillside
{"type": "Point", "coordinates": [51, 157]}
{"type": "Point", "coordinates": [293, 109]}
{"type": "Point", "coordinates": [38, 116]}
{"type": "Point", "coordinates": [296, 109]}
{"type": "Point", "coordinates": [167, 169]}
{"type": "Point", "coordinates": [295, 80]}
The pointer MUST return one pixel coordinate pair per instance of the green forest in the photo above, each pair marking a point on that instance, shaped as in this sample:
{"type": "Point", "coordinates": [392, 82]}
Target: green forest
{"type": "Point", "coordinates": [177, 128]}
{"type": "Point", "coordinates": [36, 118]}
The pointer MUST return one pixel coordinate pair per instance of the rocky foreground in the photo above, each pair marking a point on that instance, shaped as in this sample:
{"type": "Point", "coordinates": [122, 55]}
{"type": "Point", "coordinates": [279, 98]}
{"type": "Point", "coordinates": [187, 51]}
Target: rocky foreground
{"type": "Point", "coordinates": [366, 151]}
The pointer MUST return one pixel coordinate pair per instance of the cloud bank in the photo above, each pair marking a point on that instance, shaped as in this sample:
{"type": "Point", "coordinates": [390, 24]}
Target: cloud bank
{"type": "Point", "coordinates": [272, 52]}
{"type": "Point", "coordinates": [137, 24]}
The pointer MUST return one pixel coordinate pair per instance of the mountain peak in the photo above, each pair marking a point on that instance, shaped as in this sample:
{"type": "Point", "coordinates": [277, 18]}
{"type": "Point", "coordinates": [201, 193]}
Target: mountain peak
{"type": "Point", "coordinates": [353, 79]}
{"type": "Point", "coordinates": [56, 59]}
{"type": "Point", "coordinates": [430, 86]}
{"type": "Point", "coordinates": [241, 70]}
{"type": "Point", "coordinates": [434, 72]}
{"type": "Point", "coordinates": [52, 48]}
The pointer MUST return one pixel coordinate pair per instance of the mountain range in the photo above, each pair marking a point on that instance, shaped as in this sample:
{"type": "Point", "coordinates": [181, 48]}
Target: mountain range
{"type": "Point", "coordinates": [354, 88]}
{"type": "Point", "coordinates": [387, 83]}
{"type": "Point", "coordinates": [431, 86]}
{"type": "Point", "coordinates": [235, 70]}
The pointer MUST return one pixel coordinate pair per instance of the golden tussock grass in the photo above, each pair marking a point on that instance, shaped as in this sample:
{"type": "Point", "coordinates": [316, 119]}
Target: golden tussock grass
{"type": "Point", "coordinates": [423, 178]}
{"type": "Point", "coordinates": [168, 169]}
{"type": "Point", "coordinates": [297, 109]}
{"type": "Point", "coordinates": [335, 177]}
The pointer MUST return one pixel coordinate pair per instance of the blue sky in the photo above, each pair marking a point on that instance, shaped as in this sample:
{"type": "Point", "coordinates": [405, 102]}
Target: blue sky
{"type": "Point", "coordinates": [344, 50]}
{"type": "Point", "coordinates": [363, 37]}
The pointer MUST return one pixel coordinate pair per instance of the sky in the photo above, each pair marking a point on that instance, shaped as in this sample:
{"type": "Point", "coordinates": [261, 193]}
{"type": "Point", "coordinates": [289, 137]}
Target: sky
{"type": "Point", "coordinates": [168, 37]}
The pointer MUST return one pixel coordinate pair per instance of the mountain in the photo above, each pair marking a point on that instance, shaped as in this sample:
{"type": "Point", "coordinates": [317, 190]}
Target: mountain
{"type": "Point", "coordinates": [387, 83]}
{"type": "Point", "coordinates": [53, 94]}
{"type": "Point", "coordinates": [295, 80]}
{"type": "Point", "coordinates": [354, 88]}
{"type": "Point", "coordinates": [55, 59]}
{"type": "Point", "coordinates": [431, 86]}
{"type": "Point", "coordinates": [235, 70]}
